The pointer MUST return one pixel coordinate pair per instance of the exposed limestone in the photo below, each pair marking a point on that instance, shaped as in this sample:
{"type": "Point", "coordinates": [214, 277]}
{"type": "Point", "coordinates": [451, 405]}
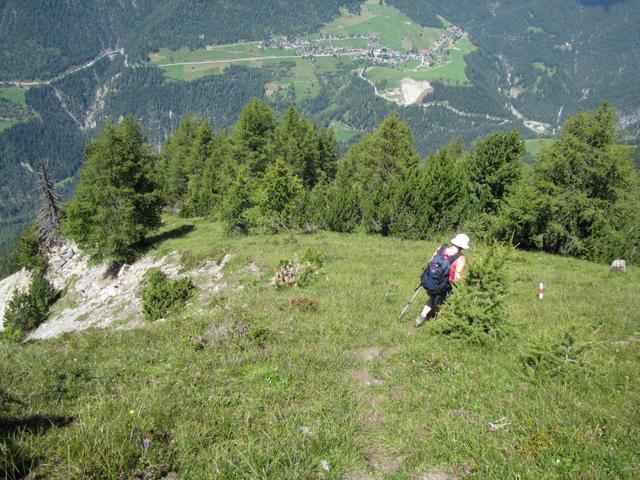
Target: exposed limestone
{"type": "Point", "coordinates": [100, 296]}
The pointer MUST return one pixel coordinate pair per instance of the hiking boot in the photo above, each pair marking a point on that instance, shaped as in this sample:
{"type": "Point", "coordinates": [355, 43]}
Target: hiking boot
{"type": "Point", "coordinates": [419, 321]}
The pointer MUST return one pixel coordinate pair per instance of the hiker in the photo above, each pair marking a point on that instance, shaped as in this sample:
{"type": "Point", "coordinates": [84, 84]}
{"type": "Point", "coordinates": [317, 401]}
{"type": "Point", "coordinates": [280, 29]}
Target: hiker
{"type": "Point", "coordinates": [444, 268]}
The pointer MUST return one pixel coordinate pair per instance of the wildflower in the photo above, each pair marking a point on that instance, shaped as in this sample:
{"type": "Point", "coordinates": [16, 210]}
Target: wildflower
{"type": "Point", "coordinates": [146, 443]}
{"type": "Point", "coordinates": [132, 412]}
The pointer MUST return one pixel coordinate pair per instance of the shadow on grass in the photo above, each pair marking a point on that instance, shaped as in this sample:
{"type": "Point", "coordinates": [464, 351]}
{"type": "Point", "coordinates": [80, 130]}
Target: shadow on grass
{"type": "Point", "coordinates": [34, 424]}
{"type": "Point", "coordinates": [147, 244]}
{"type": "Point", "coordinates": [177, 232]}
{"type": "Point", "coordinates": [16, 459]}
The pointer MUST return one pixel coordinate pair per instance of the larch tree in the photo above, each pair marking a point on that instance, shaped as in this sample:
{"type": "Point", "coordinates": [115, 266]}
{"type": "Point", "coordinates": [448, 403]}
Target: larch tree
{"type": "Point", "coordinates": [118, 200]}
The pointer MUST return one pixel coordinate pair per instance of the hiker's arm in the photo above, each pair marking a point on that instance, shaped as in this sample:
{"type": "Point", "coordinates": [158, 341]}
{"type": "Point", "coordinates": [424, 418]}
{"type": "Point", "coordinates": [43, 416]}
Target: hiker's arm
{"type": "Point", "coordinates": [460, 264]}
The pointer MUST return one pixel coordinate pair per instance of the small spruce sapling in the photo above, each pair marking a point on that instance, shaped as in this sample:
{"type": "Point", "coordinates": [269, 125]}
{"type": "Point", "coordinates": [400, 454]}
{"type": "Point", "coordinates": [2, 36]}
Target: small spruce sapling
{"type": "Point", "coordinates": [475, 312]}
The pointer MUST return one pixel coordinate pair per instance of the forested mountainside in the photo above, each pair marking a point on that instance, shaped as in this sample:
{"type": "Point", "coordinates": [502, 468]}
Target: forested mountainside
{"type": "Point", "coordinates": [39, 39]}
{"type": "Point", "coordinates": [540, 61]}
{"type": "Point", "coordinates": [555, 57]}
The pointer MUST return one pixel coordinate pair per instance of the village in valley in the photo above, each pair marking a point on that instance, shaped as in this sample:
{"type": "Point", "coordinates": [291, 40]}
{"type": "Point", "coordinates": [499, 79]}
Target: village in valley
{"type": "Point", "coordinates": [375, 52]}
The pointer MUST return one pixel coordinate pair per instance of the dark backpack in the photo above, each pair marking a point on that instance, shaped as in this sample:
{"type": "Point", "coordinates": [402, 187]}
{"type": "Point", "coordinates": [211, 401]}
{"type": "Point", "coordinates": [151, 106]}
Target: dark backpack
{"type": "Point", "coordinates": [435, 277]}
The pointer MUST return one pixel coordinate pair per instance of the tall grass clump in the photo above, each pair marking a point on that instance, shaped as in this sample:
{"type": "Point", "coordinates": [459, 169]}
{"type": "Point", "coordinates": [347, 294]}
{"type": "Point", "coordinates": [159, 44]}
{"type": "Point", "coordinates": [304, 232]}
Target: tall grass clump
{"type": "Point", "coordinates": [161, 296]}
{"type": "Point", "coordinates": [475, 312]}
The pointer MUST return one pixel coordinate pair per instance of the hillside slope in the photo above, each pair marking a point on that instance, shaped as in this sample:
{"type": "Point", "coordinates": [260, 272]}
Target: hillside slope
{"type": "Point", "coordinates": [324, 382]}
{"type": "Point", "coordinates": [535, 62]}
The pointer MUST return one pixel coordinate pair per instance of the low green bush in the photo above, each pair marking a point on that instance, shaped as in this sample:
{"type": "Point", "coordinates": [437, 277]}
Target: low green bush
{"type": "Point", "coordinates": [314, 257]}
{"type": "Point", "coordinates": [161, 296]}
{"type": "Point", "coordinates": [555, 354]}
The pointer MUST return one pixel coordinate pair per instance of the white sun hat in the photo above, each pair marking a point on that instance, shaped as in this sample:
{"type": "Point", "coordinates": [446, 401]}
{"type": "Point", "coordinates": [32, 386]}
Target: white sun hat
{"type": "Point", "coordinates": [461, 241]}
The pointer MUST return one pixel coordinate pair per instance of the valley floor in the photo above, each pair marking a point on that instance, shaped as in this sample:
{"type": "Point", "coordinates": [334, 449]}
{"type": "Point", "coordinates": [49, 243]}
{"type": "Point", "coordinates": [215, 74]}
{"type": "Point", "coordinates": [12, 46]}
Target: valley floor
{"type": "Point", "coordinates": [324, 382]}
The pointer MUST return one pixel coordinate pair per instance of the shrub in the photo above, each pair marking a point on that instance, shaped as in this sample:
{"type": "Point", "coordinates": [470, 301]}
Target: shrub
{"type": "Point", "coordinates": [554, 355]}
{"type": "Point", "coordinates": [161, 296]}
{"type": "Point", "coordinates": [475, 312]}
{"type": "Point", "coordinates": [314, 257]}
{"type": "Point", "coordinates": [26, 311]}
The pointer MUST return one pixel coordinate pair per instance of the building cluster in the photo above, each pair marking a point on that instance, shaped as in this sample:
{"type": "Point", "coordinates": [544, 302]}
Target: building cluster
{"type": "Point", "coordinates": [374, 53]}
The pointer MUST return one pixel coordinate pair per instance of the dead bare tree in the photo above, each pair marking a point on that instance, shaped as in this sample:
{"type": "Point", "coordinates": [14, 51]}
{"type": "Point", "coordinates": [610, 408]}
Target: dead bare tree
{"type": "Point", "coordinates": [48, 219]}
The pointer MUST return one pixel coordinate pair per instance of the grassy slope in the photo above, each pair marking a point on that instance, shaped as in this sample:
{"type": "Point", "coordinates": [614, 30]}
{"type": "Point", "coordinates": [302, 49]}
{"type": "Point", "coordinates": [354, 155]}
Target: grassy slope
{"type": "Point", "coordinates": [396, 30]}
{"type": "Point", "coordinates": [235, 409]}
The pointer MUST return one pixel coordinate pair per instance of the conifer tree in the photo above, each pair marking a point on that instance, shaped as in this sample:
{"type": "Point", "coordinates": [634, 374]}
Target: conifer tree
{"type": "Point", "coordinates": [253, 136]}
{"type": "Point", "coordinates": [238, 201]}
{"type": "Point", "coordinates": [493, 167]}
{"type": "Point", "coordinates": [279, 191]}
{"type": "Point", "coordinates": [206, 190]}
{"type": "Point", "coordinates": [118, 200]}
{"type": "Point", "coordinates": [171, 166]}
{"type": "Point", "coordinates": [374, 167]}
{"type": "Point", "coordinates": [581, 198]}
{"type": "Point", "coordinates": [298, 144]}
{"type": "Point", "coordinates": [476, 311]}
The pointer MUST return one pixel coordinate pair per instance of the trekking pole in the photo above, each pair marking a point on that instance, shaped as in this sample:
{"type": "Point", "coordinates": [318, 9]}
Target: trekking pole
{"type": "Point", "coordinates": [415, 292]}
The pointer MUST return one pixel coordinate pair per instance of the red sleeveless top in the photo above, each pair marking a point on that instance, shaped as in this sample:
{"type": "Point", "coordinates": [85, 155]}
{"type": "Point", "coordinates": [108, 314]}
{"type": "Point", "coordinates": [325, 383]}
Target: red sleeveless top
{"type": "Point", "coordinates": [448, 253]}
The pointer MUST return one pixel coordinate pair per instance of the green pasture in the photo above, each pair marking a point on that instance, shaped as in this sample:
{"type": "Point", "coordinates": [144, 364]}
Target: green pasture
{"type": "Point", "coordinates": [255, 382]}
{"type": "Point", "coordinates": [533, 146]}
{"type": "Point", "coordinates": [4, 124]}
{"type": "Point", "coordinates": [346, 42]}
{"type": "Point", "coordinates": [396, 30]}
{"type": "Point", "coordinates": [451, 73]}
{"type": "Point", "coordinates": [14, 94]}
{"type": "Point", "coordinates": [344, 132]}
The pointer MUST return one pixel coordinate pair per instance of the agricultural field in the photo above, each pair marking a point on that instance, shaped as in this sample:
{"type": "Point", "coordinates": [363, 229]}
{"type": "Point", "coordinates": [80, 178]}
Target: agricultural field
{"type": "Point", "coordinates": [323, 380]}
{"type": "Point", "coordinates": [13, 106]}
{"type": "Point", "coordinates": [4, 124]}
{"type": "Point", "coordinates": [394, 28]}
{"type": "Point", "coordinates": [14, 94]}
{"type": "Point", "coordinates": [381, 39]}
{"type": "Point", "coordinates": [344, 132]}
{"type": "Point", "coordinates": [449, 73]}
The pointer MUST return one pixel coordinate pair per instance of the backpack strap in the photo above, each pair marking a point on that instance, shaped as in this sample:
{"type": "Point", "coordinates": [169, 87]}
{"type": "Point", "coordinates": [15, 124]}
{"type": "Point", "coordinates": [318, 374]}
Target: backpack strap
{"type": "Point", "coordinates": [454, 257]}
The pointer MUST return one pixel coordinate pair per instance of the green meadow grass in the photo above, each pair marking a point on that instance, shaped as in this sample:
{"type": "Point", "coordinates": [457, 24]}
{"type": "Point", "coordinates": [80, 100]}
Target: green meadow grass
{"type": "Point", "coordinates": [79, 406]}
{"type": "Point", "coordinates": [14, 94]}
{"type": "Point", "coordinates": [452, 72]}
{"type": "Point", "coordinates": [533, 146]}
{"type": "Point", "coordinates": [396, 30]}
{"type": "Point", "coordinates": [344, 132]}
{"type": "Point", "coordinates": [4, 124]}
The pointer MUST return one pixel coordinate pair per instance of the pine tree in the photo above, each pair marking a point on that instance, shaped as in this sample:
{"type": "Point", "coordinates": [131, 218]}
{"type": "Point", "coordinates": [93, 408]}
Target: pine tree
{"type": "Point", "coordinates": [475, 311]}
{"type": "Point", "coordinates": [493, 167]}
{"type": "Point", "coordinates": [253, 136]}
{"type": "Point", "coordinates": [118, 200]}
{"type": "Point", "coordinates": [279, 191]}
{"type": "Point", "coordinates": [375, 167]}
{"type": "Point", "coordinates": [581, 199]}
{"type": "Point", "coordinates": [238, 201]}
{"type": "Point", "coordinates": [171, 166]}
{"type": "Point", "coordinates": [207, 189]}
